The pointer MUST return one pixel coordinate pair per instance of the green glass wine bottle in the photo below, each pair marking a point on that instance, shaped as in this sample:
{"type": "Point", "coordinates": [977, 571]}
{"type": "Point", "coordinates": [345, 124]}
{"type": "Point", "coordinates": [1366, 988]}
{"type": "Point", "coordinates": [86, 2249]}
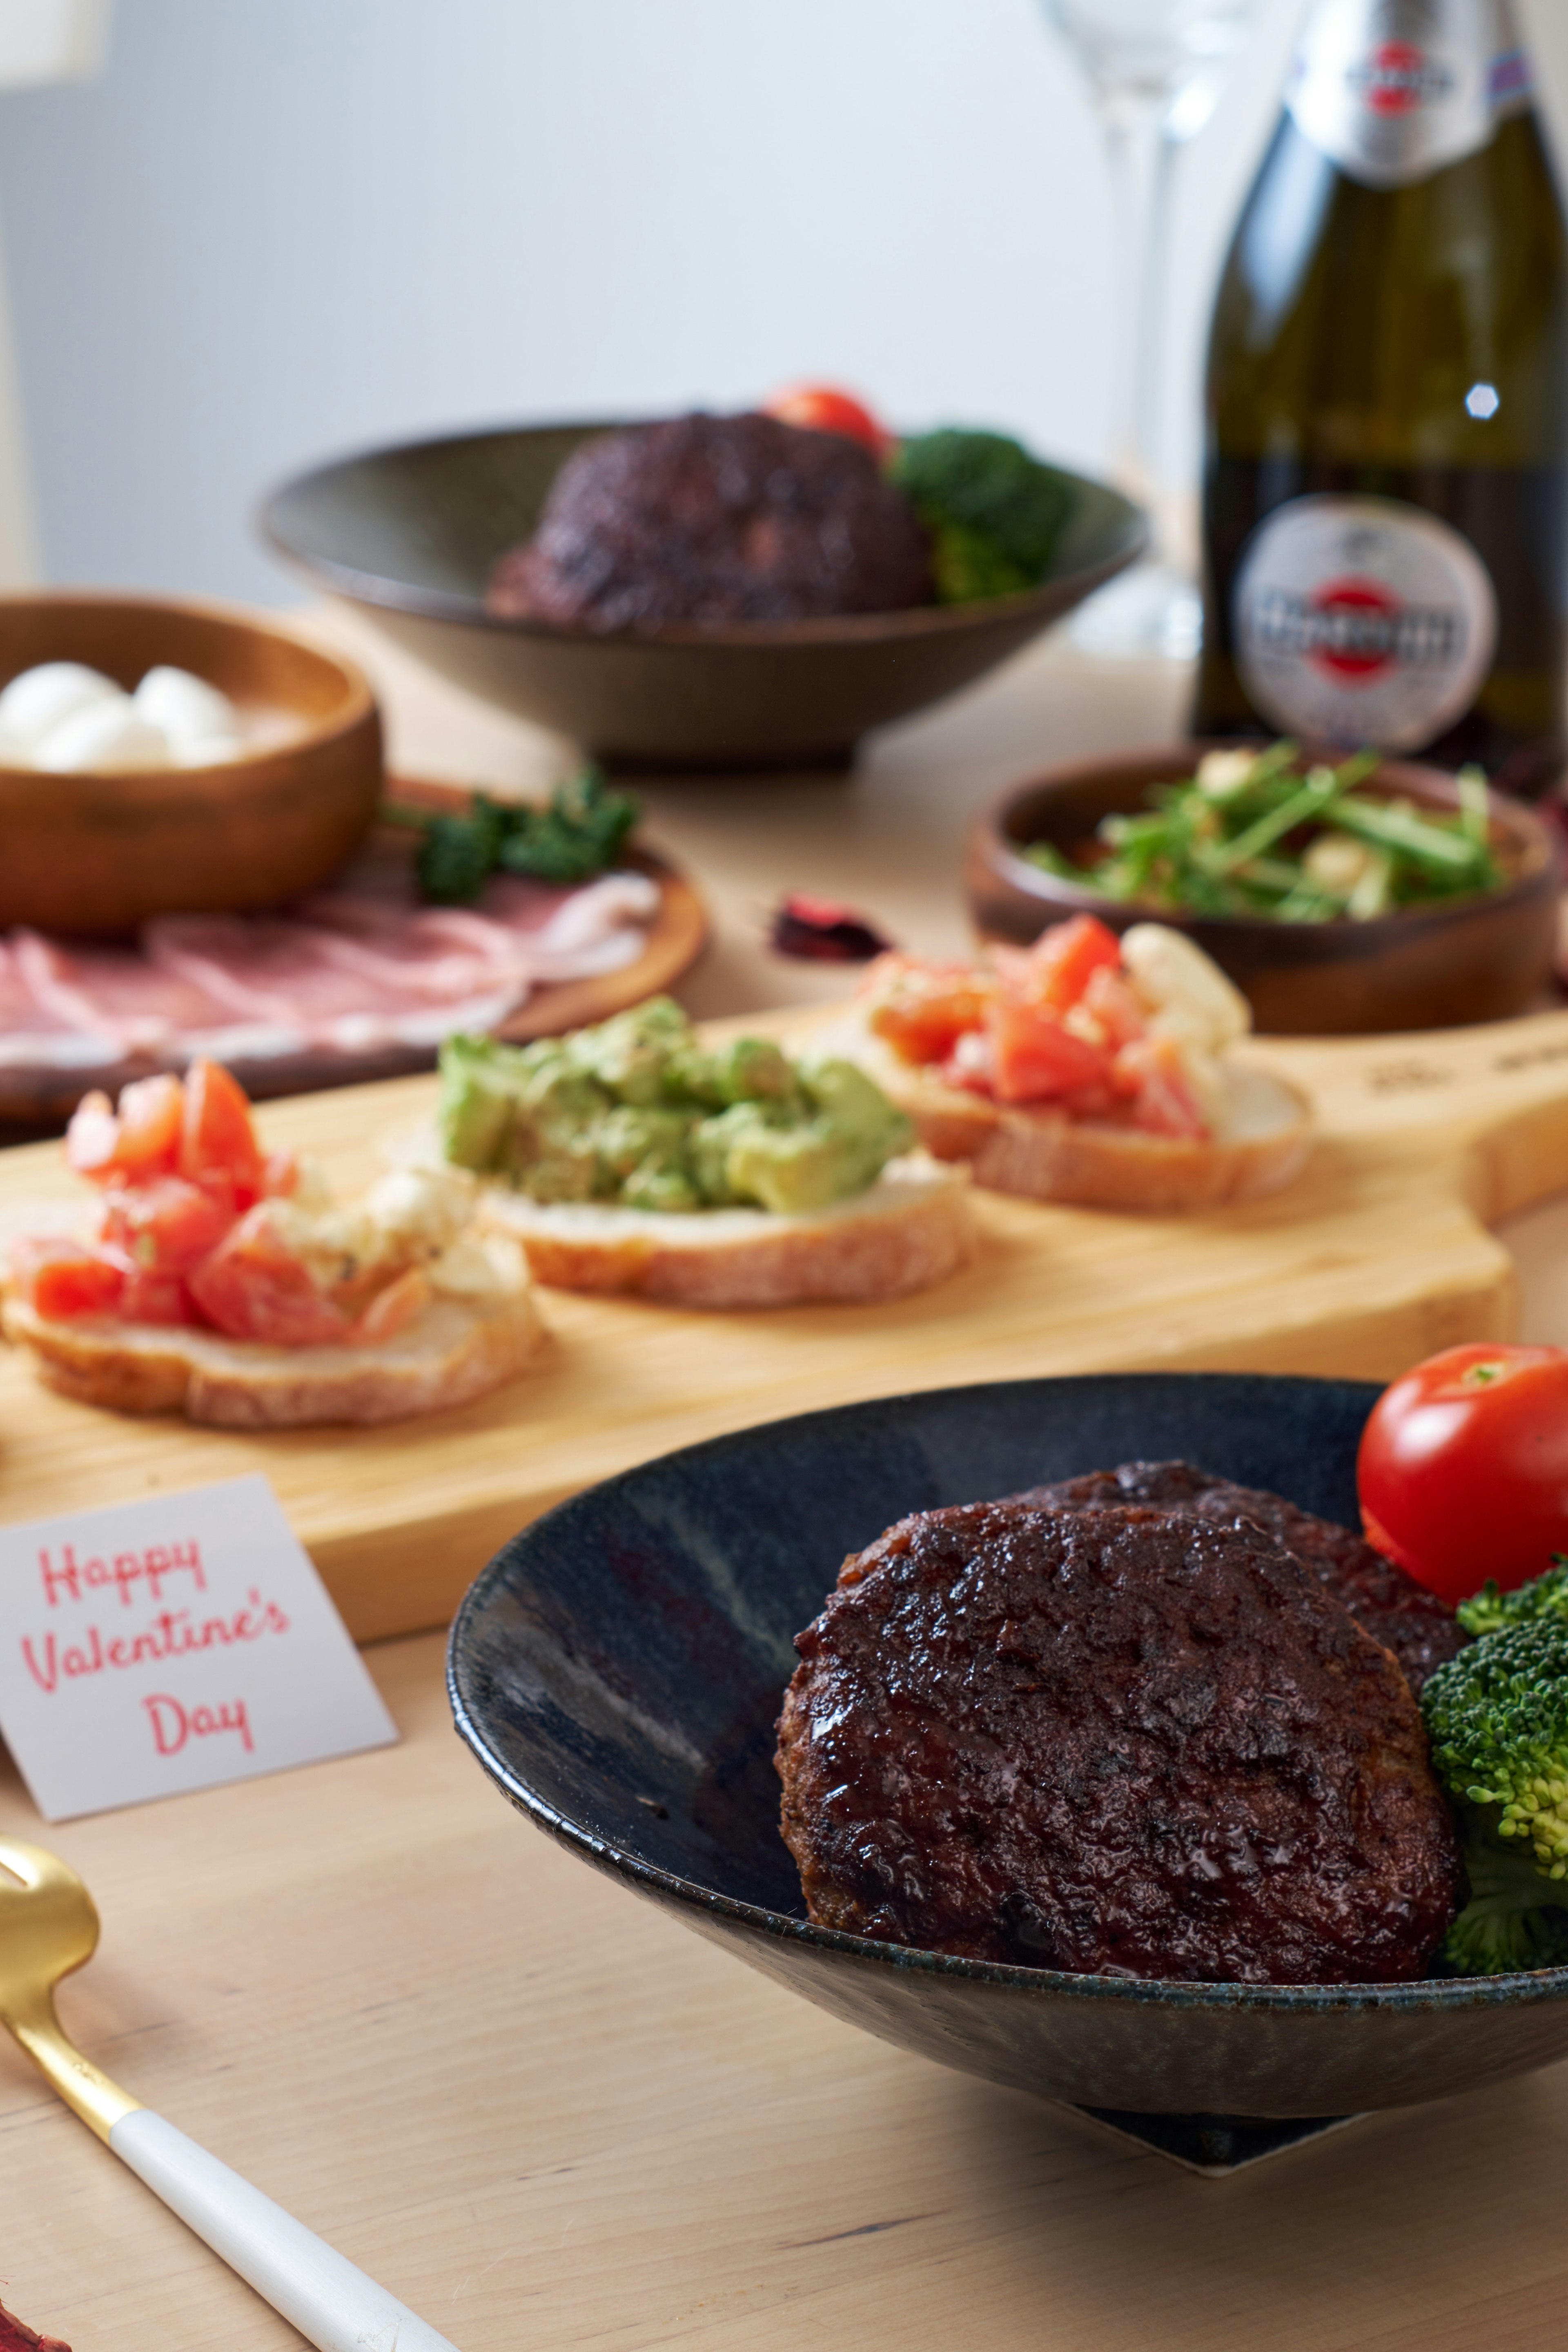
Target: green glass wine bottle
{"type": "Point", "coordinates": [1385, 494]}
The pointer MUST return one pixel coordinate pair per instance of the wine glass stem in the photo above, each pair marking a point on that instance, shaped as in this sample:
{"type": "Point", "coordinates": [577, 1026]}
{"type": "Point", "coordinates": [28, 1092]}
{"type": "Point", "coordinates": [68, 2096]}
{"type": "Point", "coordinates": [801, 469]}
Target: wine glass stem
{"type": "Point", "coordinates": [1142, 161]}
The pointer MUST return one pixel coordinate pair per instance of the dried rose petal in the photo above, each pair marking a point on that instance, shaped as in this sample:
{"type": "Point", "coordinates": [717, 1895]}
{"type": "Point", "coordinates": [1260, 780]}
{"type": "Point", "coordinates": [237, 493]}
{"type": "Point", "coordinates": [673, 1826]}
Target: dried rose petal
{"type": "Point", "coordinates": [15, 2336]}
{"type": "Point", "coordinates": [823, 931]}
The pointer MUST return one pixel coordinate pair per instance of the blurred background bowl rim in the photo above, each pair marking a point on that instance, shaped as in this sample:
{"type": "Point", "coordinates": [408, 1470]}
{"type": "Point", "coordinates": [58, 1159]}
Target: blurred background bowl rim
{"type": "Point", "coordinates": [912, 621]}
{"type": "Point", "coordinates": [357, 701]}
{"type": "Point", "coordinates": [1525, 1988]}
{"type": "Point", "coordinates": [1540, 859]}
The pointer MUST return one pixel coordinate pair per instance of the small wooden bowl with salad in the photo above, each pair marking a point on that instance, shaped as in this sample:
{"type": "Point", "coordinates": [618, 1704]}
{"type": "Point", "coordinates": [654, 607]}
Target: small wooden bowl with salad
{"type": "Point", "coordinates": [1342, 896]}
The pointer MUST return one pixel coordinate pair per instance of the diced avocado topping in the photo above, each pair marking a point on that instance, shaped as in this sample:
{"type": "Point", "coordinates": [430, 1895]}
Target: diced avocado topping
{"type": "Point", "coordinates": [636, 1112]}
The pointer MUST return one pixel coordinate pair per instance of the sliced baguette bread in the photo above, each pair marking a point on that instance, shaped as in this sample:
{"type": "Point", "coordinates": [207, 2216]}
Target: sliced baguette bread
{"type": "Point", "coordinates": [1260, 1143]}
{"type": "Point", "coordinates": [453, 1351]}
{"type": "Point", "coordinates": [910, 1229]}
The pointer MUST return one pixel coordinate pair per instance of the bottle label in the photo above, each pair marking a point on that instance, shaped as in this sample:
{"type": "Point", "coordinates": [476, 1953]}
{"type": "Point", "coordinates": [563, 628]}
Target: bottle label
{"type": "Point", "coordinates": [1395, 90]}
{"type": "Point", "coordinates": [1361, 621]}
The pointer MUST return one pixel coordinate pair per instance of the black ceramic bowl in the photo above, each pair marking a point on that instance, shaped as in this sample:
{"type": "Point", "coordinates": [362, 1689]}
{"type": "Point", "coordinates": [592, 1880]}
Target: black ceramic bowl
{"type": "Point", "coordinates": [618, 1668]}
{"type": "Point", "coordinates": [410, 534]}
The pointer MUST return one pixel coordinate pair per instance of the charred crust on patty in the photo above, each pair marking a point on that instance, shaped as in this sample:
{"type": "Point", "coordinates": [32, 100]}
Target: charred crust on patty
{"type": "Point", "coordinates": [1421, 1630]}
{"type": "Point", "coordinates": [715, 519]}
{"type": "Point", "coordinates": [1120, 1739]}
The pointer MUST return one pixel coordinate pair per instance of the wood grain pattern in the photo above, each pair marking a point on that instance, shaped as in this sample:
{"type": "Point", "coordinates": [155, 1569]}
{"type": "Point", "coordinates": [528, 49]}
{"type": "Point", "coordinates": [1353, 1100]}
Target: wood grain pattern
{"type": "Point", "coordinates": [554, 2120]}
{"type": "Point", "coordinates": [1377, 1256]}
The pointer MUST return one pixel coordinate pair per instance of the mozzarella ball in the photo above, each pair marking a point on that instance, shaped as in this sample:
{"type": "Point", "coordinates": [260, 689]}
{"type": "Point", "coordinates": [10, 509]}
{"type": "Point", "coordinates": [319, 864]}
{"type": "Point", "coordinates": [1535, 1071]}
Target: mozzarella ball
{"type": "Point", "coordinates": [105, 738]}
{"type": "Point", "coordinates": [190, 712]}
{"type": "Point", "coordinates": [41, 699]}
{"type": "Point", "coordinates": [207, 751]}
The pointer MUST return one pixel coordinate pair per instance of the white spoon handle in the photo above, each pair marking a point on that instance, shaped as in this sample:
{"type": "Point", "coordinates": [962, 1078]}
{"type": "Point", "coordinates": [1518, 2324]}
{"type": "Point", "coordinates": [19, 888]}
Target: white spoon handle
{"type": "Point", "coordinates": [331, 2302]}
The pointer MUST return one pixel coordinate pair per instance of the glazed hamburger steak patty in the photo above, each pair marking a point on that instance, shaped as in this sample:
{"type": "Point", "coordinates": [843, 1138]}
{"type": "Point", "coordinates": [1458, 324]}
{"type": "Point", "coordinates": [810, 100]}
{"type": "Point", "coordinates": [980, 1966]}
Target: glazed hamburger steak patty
{"type": "Point", "coordinates": [1421, 1630]}
{"type": "Point", "coordinates": [1121, 1740]}
{"type": "Point", "coordinates": [715, 519]}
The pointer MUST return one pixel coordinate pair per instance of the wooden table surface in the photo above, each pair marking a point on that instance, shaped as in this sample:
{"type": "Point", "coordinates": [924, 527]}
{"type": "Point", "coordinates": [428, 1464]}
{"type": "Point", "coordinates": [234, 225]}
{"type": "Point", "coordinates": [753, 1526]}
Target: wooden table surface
{"type": "Point", "coordinates": [550, 2118]}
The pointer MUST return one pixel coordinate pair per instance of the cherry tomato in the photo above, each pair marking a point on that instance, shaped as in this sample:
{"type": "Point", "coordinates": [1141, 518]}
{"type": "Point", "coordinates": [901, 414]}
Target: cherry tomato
{"type": "Point", "coordinates": [923, 1009]}
{"type": "Point", "coordinates": [217, 1137]}
{"type": "Point", "coordinates": [163, 1227]}
{"type": "Point", "coordinates": [821, 409]}
{"type": "Point", "coordinates": [252, 1287]}
{"type": "Point", "coordinates": [59, 1278]}
{"type": "Point", "coordinates": [1035, 1059]}
{"type": "Point", "coordinates": [125, 1148]}
{"type": "Point", "coordinates": [1463, 1470]}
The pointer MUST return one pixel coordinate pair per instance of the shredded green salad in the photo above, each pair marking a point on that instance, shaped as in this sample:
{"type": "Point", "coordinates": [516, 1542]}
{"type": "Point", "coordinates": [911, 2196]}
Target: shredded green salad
{"type": "Point", "coordinates": [1256, 833]}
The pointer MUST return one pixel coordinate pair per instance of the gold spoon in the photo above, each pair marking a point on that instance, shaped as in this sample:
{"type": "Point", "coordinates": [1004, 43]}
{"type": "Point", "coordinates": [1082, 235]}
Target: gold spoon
{"type": "Point", "coordinates": [48, 1926]}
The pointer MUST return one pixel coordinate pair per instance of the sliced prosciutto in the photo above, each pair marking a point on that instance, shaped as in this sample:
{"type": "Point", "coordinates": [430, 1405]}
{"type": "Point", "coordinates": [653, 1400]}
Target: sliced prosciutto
{"type": "Point", "coordinates": [361, 969]}
{"type": "Point", "coordinates": [112, 993]}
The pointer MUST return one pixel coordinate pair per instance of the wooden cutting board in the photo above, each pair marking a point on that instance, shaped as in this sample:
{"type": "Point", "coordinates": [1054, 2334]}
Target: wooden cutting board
{"type": "Point", "coordinates": [1378, 1254]}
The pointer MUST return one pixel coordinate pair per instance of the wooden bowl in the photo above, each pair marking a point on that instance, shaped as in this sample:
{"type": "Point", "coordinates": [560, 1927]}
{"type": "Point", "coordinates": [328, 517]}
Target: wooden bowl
{"type": "Point", "coordinates": [1434, 967]}
{"type": "Point", "coordinates": [410, 535]}
{"type": "Point", "coordinates": [96, 855]}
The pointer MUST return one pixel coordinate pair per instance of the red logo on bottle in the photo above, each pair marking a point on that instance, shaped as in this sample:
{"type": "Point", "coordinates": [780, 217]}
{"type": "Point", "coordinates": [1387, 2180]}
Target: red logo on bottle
{"type": "Point", "coordinates": [1400, 79]}
{"type": "Point", "coordinates": [1356, 629]}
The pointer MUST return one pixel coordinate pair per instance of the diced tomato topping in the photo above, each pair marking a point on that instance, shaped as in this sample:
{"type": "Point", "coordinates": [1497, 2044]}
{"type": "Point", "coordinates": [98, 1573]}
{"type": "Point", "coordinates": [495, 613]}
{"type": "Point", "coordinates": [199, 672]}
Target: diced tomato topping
{"type": "Point", "coordinates": [280, 1175]}
{"type": "Point", "coordinates": [969, 1066]}
{"type": "Point", "coordinates": [1036, 1059]}
{"type": "Point", "coordinates": [164, 1226]}
{"type": "Point", "coordinates": [923, 1009]}
{"type": "Point", "coordinates": [149, 1297]}
{"type": "Point", "coordinates": [216, 1134]}
{"type": "Point", "coordinates": [1165, 1101]}
{"type": "Point", "coordinates": [140, 1142]}
{"type": "Point", "coordinates": [252, 1287]}
{"type": "Point", "coordinates": [393, 1309]}
{"type": "Point", "coordinates": [59, 1278]}
{"type": "Point", "coordinates": [92, 1135]}
{"type": "Point", "coordinates": [1115, 1009]}
{"type": "Point", "coordinates": [1065, 959]}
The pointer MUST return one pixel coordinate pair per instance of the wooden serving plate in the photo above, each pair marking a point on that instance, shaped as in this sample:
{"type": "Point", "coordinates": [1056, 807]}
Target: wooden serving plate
{"type": "Point", "coordinates": [35, 1100]}
{"type": "Point", "coordinates": [1377, 1256]}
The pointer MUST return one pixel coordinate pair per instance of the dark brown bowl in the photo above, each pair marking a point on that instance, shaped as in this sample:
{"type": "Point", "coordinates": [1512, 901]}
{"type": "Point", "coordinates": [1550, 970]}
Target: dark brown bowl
{"type": "Point", "coordinates": [97, 855]}
{"type": "Point", "coordinates": [410, 535]}
{"type": "Point", "coordinates": [1434, 967]}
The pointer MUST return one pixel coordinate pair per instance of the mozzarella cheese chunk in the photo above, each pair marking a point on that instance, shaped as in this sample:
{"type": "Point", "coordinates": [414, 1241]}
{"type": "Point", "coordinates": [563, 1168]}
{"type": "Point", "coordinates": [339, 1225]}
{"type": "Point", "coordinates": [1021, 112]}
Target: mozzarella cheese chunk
{"type": "Point", "coordinates": [491, 1265]}
{"type": "Point", "coordinates": [1184, 993]}
{"type": "Point", "coordinates": [421, 1210]}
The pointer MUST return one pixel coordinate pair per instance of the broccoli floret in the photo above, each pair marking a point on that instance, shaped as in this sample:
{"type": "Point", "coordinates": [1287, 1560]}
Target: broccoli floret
{"type": "Point", "coordinates": [994, 513]}
{"type": "Point", "coordinates": [966, 566]}
{"type": "Point", "coordinates": [1492, 1611]}
{"type": "Point", "coordinates": [1506, 1925]}
{"type": "Point", "coordinates": [1497, 1717]}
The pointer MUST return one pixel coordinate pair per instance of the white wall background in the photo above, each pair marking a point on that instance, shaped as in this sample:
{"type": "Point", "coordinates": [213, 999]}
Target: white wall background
{"type": "Point", "coordinates": [274, 229]}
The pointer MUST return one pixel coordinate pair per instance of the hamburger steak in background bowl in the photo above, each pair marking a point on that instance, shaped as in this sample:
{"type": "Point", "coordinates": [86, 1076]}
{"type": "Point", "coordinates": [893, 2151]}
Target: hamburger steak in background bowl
{"type": "Point", "coordinates": [620, 1668]}
{"type": "Point", "coordinates": [692, 593]}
